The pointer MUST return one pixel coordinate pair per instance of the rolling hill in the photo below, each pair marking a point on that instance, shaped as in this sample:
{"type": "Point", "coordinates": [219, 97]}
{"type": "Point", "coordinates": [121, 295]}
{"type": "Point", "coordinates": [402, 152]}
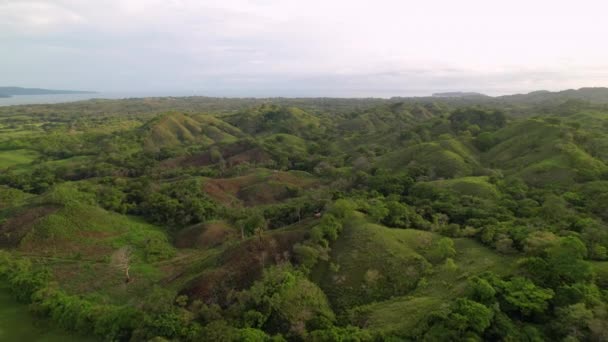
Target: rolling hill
{"type": "Point", "coordinates": [179, 130]}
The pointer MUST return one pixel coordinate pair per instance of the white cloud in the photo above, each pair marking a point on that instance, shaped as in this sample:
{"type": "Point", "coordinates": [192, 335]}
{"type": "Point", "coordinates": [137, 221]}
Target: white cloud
{"type": "Point", "coordinates": [378, 47]}
{"type": "Point", "coordinates": [35, 17]}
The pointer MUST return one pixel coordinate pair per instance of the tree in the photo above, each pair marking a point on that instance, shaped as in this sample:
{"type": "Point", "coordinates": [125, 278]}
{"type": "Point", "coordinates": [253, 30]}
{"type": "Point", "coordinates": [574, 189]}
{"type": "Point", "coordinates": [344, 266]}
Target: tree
{"type": "Point", "coordinates": [522, 295]}
{"type": "Point", "coordinates": [121, 259]}
{"type": "Point", "coordinates": [485, 141]}
{"type": "Point", "coordinates": [254, 223]}
{"type": "Point", "coordinates": [566, 261]}
{"type": "Point", "coordinates": [444, 249]}
{"type": "Point", "coordinates": [537, 242]}
{"type": "Point", "coordinates": [467, 314]}
{"type": "Point", "coordinates": [480, 290]}
{"type": "Point", "coordinates": [377, 210]}
{"type": "Point", "coordinates": [573, 321]}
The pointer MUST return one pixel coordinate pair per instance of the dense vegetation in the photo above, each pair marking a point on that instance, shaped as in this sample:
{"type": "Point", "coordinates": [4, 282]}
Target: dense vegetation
{"type": "Point", "coordinates": [437, 219]}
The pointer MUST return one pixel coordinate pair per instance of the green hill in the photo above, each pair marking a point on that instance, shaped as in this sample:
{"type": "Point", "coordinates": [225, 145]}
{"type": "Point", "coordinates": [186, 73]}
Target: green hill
{"type": "Point", "coordinates": [176, 129]}
{"type": "Point", "coordinates": [446, 158]}
{"type": "Point", "coordinates": [542, 153]}
{"type": "Point", "coordinates": [401, 315]}
{"type": "Point", "coordinates": [396, 116]}
{"type": "Point", "coordinates": [471, 186]}
{"type": "Point", "coordinates": [271, 119]}
{"type": "Point", "coordinates": [370, 263]}
{"type": "Point", "coordinates": [594, 95]}
{"type": "Point", "coordinates": [65, 228]}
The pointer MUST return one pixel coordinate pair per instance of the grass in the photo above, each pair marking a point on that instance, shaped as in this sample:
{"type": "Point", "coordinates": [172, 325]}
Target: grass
{"type": "Point", "coordinates": [206, 235]}
{"type": "Point", "coordinates": [237, 265]}
{"type": "Point", "coordinates": [372, 263]}
{"type": "Point", "coordinates": [448, 158]}
{"type": "Point", "coordinates": [271, 119]}
{"type": "Point", "coordinates": [175, 129]}
{"type": "Point", "coordinates": [78, 243]}
{"type": "Point", "coordinates": [282, 144]}
{"type": "Point", "coordinates": [78, 240]}
{"type": "Point", "coordinates": [17, 324]}
{"type": "Point", "coordinates": [543, 154]}
{"type": "Point", "coordinates": [69, 162]}
{"type": "Point", "coordinates": [400, 315]}
{"type": "Point", "coordinates": [10, 197]}
{"type": "Point", "coordinates": [258, 187]}
{"type": "Point", "coordinates": [472, 186]}
{"type": "Point", "coordinates": [17, 158]}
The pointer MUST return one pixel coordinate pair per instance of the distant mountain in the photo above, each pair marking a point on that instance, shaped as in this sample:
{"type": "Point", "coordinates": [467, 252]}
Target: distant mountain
{"type": "Point", "coordinates": [459, 94]}
{"type": "Point", "coordinates": [9, 91]}
{"type": "Point", "coordinates": [593, 95]}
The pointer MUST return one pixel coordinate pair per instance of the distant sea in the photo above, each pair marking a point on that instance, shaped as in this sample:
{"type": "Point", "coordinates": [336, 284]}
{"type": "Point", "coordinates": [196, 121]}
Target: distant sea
{"type": "Point", "coordinates": [61, 98]}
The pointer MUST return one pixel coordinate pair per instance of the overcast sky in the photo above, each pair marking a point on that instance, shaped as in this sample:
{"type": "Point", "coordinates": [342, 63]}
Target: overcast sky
{"type": "Point", "coordinates": [304, 47]}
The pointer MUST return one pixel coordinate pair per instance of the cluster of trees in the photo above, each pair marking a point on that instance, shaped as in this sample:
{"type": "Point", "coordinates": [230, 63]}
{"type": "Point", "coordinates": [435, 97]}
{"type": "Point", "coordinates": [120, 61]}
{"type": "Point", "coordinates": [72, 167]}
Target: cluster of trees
{"type": "Point", "coordinates": [553, 297]}
{"type": "Point", "coordinates": [475, 120]}
{"type": "Point", "coordinates": [174, 204]}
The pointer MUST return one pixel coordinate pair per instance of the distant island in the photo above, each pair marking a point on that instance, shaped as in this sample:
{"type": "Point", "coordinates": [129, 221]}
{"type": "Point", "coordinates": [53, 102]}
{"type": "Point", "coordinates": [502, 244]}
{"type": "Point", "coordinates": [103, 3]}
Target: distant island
{"type": "Point", "coordinates": [10, 91]}
{"type": "Point", "coordinates": [459, 94]}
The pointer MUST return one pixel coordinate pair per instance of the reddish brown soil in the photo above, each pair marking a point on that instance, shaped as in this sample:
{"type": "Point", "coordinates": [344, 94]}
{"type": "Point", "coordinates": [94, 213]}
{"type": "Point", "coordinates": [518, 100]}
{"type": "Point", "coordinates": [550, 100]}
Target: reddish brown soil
{"type": "Point", "coordinates": [253, 156]}
{"type": "Point", "coordinates": [16, 227]}
{"type": "Point", "coordinates": [242, 265]}
{"type": "Point", "coordinates": [253, 190]}
{"type": "Point", "coordinates": [233, 154]}
{"type": "Point", "coordinates": [205, 236]}
{"type": "Point", "coordinates": [263, 193]}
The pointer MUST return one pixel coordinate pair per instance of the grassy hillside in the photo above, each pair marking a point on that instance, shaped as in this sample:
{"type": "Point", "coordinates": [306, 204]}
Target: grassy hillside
{"type": "Point", "coordinates": [177, 129]}
{"type": "Point", "coordinates": [258, 187]}
{"type": "Point", "coordinates": [269, 119]}
{"type": "Point", "coordinates": [401, 315]}
{"type": "Point", "coordinates": [79, 242]}
{"type": "Point", "coordinates": [16, 158]}
{"type": "Point", "coordinates": [471, 186]}
{"type": "Point", "coordinates": [543, 152]}
{"type": "Point", "coordinates": [446, 158]}
{"type": "Point", "coordinates": [370, 263]}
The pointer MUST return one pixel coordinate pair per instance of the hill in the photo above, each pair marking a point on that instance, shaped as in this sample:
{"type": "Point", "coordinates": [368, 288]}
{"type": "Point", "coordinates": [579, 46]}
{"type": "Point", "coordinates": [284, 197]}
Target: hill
{"type": "Point", "coordinates": [65, 229]}
{"type": "Point", "coordinates": [272, 119]}
{"type": "Point", "coordinates": [398, 115]}
{"type": "Point", "coordinates": [459, 94]}
{"type": "Point", "coordinates": [178, 130]}
{"type": "Point", "coordinates": [593, 95]}
{"type": "Point", "coordinates": [543, 152]}
{"type": "Point", "coordinates": [445, 158]}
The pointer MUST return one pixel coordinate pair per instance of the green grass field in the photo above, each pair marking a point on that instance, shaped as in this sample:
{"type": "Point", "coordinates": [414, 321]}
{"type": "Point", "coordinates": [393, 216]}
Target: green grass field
{"type": "Point", "coordinates": [472, 186]}
{"type": "Point", "coordinates": [16, 158]}
{"type": "Point", "coordinates": [400, 315]}
{"type": "Point", "coordinates": [17, 324]}
{"type": "Point", "coordinates": [370, 263]}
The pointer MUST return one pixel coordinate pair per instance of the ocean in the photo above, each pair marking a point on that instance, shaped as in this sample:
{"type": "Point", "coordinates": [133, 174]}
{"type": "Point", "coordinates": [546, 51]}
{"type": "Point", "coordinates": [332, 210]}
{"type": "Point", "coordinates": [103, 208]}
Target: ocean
{"type": "Point", "coordinates": [62, 98]}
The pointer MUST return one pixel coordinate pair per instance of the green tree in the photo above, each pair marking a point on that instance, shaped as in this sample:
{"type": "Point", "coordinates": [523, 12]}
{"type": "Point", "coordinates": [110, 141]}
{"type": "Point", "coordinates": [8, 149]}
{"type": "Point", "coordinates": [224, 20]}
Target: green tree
{"type": "Point", "coordinates": [522, 295]}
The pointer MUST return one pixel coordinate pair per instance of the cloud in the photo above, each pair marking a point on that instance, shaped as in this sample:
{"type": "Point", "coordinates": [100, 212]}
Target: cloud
{"type": "Point", "coordinates": [264, 46]}
{"type": "Point", "coordinates": [35, 17]}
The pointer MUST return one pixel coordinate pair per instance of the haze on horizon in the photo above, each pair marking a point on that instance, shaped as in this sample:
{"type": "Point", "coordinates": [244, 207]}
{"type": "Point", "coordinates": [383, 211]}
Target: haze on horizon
{"type": "Point", "coordinates": [304, 48]}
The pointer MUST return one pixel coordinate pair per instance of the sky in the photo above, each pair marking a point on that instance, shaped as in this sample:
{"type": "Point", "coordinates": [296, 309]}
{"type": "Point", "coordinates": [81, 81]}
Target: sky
{"type": "Point", "coordinates": [342, 48]}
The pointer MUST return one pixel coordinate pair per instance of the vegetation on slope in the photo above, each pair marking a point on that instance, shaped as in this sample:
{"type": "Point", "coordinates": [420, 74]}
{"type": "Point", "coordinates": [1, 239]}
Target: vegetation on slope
{"type": "Point", "coordinates": [434, 219]}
